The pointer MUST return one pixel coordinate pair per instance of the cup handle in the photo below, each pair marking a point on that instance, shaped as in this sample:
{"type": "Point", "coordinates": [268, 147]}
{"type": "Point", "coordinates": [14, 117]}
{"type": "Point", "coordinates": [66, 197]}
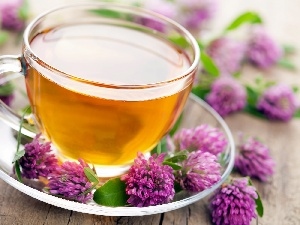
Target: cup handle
{"type": "Point", "coordinates": [11, 68]}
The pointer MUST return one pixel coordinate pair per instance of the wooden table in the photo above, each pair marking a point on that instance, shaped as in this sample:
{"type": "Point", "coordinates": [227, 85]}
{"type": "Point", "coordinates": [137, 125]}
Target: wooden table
{"type": "Point", "coordinates": [281, 195]}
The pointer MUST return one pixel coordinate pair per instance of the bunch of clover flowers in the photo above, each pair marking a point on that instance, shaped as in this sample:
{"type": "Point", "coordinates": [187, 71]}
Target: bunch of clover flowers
{"type": "Point", "coordinates": [227, 94]}
{"type": "Point", "coordinates": [69, 180]}
{"type": "Point", "coordinates": [221, 83]}
{"type": "Point", "coordinates": [149, 182]}
{"type": "Point", "coordinates": [191, 164]}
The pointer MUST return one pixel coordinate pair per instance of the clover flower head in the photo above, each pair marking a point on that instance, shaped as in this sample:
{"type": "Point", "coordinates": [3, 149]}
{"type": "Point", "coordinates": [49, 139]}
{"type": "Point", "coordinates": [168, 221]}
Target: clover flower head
{"type": "Point", "coordinates": [278, 102]}
{"type": "Point", "coordinates": [226, 96]}
{"type": "Point", "coordinates": [69, 181]}
{"type": "Point", "coordinates": [228, 64]}
{"type": "Point", "coordinates": [10, 15]}
{"type": "Point", "coordinates": [162, 7]}
{"type": "Point", "coordinates": [38, 160]}
{"type": "Point", "coordinates": [254, 160]}
{"type": "Point", "coordinates": [234, 203]}
{"type": "Point", "coordinates": [193, 14]}
{"type": "Point", "coordinates": [149, 182]}
{"type": "Point", "coordinates": [203, 137]}
{"type": "Point", "coordinates": [199, 171]}
{"type": "Point", "coordinates": [263, 50]}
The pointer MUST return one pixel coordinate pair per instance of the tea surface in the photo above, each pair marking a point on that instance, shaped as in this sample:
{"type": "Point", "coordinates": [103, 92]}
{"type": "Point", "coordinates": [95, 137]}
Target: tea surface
{"type": "Point", "coordinates": [100, 130]}
{"type": "Point", "coordinates": [109, 54]}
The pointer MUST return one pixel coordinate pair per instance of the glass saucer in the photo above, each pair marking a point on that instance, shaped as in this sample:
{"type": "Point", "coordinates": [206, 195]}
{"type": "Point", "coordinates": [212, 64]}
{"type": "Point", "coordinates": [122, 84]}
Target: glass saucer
{"type": "Point", "coordinates": [196, 112]}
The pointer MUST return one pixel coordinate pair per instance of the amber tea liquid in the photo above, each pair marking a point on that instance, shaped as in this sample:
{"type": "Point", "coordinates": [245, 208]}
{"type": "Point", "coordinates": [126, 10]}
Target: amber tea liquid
{"type": "Point", "coordinates": [105, 130]}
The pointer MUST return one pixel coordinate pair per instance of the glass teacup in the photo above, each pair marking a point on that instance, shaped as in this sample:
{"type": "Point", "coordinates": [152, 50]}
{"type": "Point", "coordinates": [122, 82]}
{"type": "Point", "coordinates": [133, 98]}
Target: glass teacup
{"type": "Point", "coordinates": [104, 81]}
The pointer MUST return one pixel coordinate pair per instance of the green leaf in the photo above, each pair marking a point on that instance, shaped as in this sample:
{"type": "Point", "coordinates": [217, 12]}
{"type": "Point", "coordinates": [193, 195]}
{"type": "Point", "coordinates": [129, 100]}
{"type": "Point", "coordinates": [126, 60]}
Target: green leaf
{"type": "Point", "coordinates": [90, 174]}
{"type": "Point", "coordinates": [26, 109]}
{"type": "Point", "coordinates": [253, 111]}
{"type": "Point", "coordinates": [179, 40]}
{"type": "Point", "coordinates": [173, 165]}
{"type": "Point", "coordinates": [176, 125]}
{"type": "Point", "coordinates": [285, 63]}
{"type": "Point", "coordinates": [289, 49]}
{"type": "Point", "coordinates": [258, 80]}
{"type": "Point", "coordinates": [247, 17]}
{"type": "Point", "coordinates": [160, 147]}
{"type": "Point", "coordinates": [18, 171]}
{"type": "Point", "coordinates": [18, 155]}
{"type": "Point", "coordinates": [178, 157]}
{"type": "Point", "coordinates": [108, 13]}
{"type": "Point", "coordinates": [297, 114]}
{"type": "Point", "coordinates": [3, 37]}
{"type": "Point", "coordinates": [200, 91]}
{"type": "Point", "coordinates": [237, 75]}
{"type": "Point", "coordinates": [200, 44]}
{"type": "Point", "coordinates": [259, 206]}
{"type": "Point", "coordinates": [7, 89]}
{"type": "Point", "coordinates": [112, 193]}
{"type": "Point", "coordinates": [92, 177]}
{"type": "Point", "coordinates": [295, 89]}
{"type": "Point", "coordinates": [223, 159]}
{"type": "Point", "coordinates": [209, 65]}
{"type": "Point", "coordinates": [24, 11]}
{"type": "Point", "coordinates": [252, 96]}
{"type": "Point", "coordinates": [258, 201]}
{"type": "Point", "coordinates": [177, 187]}
{"type": "Point", "coordinates": [268, 84]}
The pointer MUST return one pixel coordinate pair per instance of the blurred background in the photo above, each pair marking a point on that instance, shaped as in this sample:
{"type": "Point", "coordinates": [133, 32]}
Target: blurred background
{"type": "Point", "coordinates": [262, 43]}
{"type": "Point", "coordinates": [280, 19]}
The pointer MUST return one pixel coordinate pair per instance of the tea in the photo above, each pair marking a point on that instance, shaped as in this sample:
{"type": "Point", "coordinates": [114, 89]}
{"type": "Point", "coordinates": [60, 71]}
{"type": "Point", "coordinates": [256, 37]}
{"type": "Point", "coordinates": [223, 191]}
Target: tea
{"type": "Point", "coordinates": [105, 130]}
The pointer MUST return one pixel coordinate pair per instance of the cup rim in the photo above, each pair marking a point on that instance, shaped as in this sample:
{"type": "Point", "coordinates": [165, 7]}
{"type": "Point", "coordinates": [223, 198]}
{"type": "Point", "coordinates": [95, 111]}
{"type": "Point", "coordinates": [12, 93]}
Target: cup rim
{"type": "Point", "coordinates": [187, 72]}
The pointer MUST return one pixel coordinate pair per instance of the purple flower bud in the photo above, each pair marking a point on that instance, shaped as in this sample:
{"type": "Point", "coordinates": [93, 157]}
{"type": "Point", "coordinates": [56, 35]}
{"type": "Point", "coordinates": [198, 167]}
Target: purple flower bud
{"type": "Point", "coordinates": [193, 14]}
{"type": "Point", "coordinates": [199, 171]}
{"type": "Point", "coordinates": [226, 96]}
{"type": "Point", "coordinates": [228, 64]}
{"type": "Point", "coordinates": [149, 182]}
{"type": "Point", "coordinates": [263, 51]}
{"type": "Point", "coordinates": [254, 160]}
{"type": "Point", "coordinates": [203, 137]}
{"type": "Point", "coordinates": [278, 103]}
{"type": "Point", "coordinates": [69, 181]}
{"type": "Point", "coordinates": [10, 15]}
{"type": "Point", "coordinates": [162, 7]}
{"type": "Point", "coordinates": [234, 203]}
{"type": "Point", "coordinates": [38, 160]}
{"type": "Point", "coordinates": [7, 99]}
{"type": "Point", "coordinates": [7, 90]}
